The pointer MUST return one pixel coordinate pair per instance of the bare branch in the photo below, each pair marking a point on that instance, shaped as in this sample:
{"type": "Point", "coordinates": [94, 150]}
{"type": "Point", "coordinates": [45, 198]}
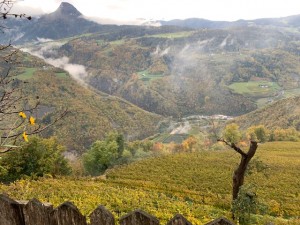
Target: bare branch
{"type": "Point", "coordinates": [234, 147]}
{"type": "Point", "coordinates": [38, 129]}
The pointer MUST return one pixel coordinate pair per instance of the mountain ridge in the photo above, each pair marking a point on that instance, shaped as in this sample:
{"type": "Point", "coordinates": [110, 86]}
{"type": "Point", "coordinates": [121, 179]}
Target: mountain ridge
{"type": "Point", "coordinates": [201, 23]}
{"type": "Point", "coordinates": [64, 22]}
{"type": "Point", "coordinates": [65, 10]}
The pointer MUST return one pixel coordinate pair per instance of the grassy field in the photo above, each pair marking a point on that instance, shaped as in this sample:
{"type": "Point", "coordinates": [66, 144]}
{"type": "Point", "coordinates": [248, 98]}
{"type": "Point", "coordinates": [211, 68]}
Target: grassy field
{"type": "Point", "coordinates": [173, 35]}
{"type": "Point", "coordinates": [168, 138]}
{"type": "Point", "coordinates": [255, 88]}
{"type": "Point", "coordinates": [292, 92]}
{"type": "Point", "coordinates": [261, 102]}
{"type": "Point", "coordinates": [198, 185]}
{"type": "Point", "coordinates": [146, 76]}
{"type": "Point", "coordinates": [117, 42]}
{"type": "Point", "coordinates": [62, 75]}
{"type": "Point", "coordinates": [27, 74]}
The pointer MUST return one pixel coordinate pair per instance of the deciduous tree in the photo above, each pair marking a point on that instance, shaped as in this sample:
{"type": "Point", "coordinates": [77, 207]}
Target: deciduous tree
{"type": "Point", "coordinates": [36, 158]}
{"type": "Point", "coordinates": [231, 137]}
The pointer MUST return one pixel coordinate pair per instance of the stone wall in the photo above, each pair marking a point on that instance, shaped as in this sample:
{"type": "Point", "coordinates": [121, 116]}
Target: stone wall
{"type": "Point", "coordinates": [34, 212]}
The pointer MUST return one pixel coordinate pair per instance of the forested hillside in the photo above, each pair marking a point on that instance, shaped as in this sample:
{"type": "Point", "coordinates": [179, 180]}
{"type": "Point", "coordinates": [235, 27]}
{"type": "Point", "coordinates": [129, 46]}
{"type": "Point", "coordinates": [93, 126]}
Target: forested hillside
{"type": "Point", "coordinates": [92, 114]}
{"type": "Point", "coordinates": [282, 114]}
{"type": "Point", "coordinates": [191, 72]}
{"type": "Point", "coordinates": [217, 68]}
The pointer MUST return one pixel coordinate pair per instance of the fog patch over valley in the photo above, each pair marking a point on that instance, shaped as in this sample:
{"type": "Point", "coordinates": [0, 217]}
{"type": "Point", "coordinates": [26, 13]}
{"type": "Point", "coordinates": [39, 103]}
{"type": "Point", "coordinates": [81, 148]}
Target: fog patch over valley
{"type": "Point", "coordinates": [42, 40]}
{"type": "Point", "coordinates": [48, 52]}
{"type": "Point", "coordinates": [159, 52]}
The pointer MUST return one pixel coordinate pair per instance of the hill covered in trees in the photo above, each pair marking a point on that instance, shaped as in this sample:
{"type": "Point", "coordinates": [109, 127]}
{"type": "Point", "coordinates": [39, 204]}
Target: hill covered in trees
{"type": "Point", "coordinates": [175, 70]}
{"type": "Point", "coordinates": [92, 114]}
{"type": "Point", "coordinates": [182, 73]}
{"type": "Point", "coordinates": [281, 114]}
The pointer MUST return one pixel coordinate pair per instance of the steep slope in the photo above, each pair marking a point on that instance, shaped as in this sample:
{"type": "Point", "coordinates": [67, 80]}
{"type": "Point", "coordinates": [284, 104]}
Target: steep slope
{"type": "Point", "coordinates": [284, 114]}
{"type": "Point", "coordinates": [176, 71]}
{"type": "Point", "coordinates": [191, 72]}
{"type": "Point", "coordinates": [66, 21]}
{"type": "Point", "coordinates": [91, 114]}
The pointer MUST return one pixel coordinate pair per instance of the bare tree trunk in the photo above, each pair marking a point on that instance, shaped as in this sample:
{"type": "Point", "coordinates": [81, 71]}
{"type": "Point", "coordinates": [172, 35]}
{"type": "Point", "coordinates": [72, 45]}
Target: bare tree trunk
{"type": "Point", "coordinates": [239, 173]}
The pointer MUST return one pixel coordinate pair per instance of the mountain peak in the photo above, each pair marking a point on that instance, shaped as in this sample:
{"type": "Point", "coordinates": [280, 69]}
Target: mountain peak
{"type": "Point", "coordinates": [67, 9]}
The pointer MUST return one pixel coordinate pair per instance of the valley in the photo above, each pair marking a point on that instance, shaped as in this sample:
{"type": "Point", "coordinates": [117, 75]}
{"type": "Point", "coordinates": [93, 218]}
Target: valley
{"type": "Point", "coordinates": [145, 69]}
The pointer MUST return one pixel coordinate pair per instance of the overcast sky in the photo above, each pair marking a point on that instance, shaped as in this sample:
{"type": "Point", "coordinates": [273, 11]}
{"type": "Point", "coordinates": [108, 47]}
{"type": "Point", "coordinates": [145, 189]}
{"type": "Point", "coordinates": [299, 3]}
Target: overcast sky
{"type": "Point", "coordinates": [128, 10]}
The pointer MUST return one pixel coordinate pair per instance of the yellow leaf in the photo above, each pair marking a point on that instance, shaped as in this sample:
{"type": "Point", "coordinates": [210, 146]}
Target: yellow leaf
{"type": "Point", "coordinates": [25, 136]}
{"type": "Point", "coordinates": [22, 114]}
{"type": "Point", "coordinates": [32, 120]}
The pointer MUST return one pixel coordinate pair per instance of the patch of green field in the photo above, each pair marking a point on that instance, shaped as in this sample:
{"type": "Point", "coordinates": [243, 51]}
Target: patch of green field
{"type": "Point", "coordinates": [255, 88]}
{"type": "Point", "coordinates": [160, 137]}
{"type": "Point", "coordinates": [168, 138]}
{"type": "Point", "coordinates": [173, 35]}
{"type": "Point", "coordinates": [100, 42]}
{"type": "Point", "coordinates": [64, 40]}
{"type": "Point", "coordinates": [27, 74]}
{"type": "Point", "coordinates": [261, 102]}
{"type": "Point", "coordinates": [147, 76]}
{"type": "Point", "coordinates": [292, 93]}
{"type": "Point", "coordinates": [117, 42]}
{"type": "Point", "coordinates": [62, 75]}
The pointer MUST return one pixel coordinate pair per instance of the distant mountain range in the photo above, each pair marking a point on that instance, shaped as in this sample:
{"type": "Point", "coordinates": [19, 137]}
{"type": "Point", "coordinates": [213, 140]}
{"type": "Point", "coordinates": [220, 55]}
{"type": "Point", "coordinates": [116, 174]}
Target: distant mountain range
{"type": "Point", "coordinates": [196, 23]}
{"type": "Point", "coordinates": [67, 21]}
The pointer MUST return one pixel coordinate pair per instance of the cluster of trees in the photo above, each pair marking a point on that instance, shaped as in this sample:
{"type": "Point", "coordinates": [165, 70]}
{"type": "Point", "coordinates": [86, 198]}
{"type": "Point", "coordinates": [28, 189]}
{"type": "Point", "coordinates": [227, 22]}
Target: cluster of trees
{"type": "Point", "coordinates": [38, 157]}
{"type": "Point", "coordinates": [113, 150]}
{"type": "Point", "coordinates": [45, 157]}
{"type": "Point", "coordinates": [260, 133]}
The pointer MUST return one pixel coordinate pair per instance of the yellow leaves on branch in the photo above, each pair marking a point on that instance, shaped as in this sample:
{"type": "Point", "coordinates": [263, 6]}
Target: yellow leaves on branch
{"type": "Point", "coordinates": [31, 118]}
{"type": "Point", "coordinates": [23, 115]}
{"type": "Point", "coordinates": [25, 136]}
{"type": "Point", "coordinates": [31, 121]}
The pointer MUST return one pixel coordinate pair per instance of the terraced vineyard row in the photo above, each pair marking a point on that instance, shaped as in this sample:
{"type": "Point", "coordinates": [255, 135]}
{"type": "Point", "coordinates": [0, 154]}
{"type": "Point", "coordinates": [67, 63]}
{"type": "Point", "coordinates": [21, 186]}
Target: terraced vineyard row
{"type": "Point", "coordinates": [198, 185]}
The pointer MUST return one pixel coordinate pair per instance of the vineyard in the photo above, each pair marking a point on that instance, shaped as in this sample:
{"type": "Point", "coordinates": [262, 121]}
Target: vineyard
{"type": "Point", "coordinates": [197, 185]}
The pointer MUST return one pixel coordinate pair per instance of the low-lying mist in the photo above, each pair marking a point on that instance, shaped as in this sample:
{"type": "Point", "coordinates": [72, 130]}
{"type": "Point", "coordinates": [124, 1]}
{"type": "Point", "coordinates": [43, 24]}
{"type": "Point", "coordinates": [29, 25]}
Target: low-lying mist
{"type": "Point", "coordinates": [48, 52]}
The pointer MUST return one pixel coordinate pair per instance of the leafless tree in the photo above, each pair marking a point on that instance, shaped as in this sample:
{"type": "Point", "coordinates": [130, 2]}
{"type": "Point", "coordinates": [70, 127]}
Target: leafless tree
{"type": "Point", "coordinates": [6, 6]}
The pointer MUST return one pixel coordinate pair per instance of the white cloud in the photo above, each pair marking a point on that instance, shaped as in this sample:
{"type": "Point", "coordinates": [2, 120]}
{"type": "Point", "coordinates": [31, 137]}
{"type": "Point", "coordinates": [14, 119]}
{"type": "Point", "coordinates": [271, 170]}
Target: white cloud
{"type": "Point", "coordinates": [42, 40]}
{"type": "Point", "coordinates": [78, 72]}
